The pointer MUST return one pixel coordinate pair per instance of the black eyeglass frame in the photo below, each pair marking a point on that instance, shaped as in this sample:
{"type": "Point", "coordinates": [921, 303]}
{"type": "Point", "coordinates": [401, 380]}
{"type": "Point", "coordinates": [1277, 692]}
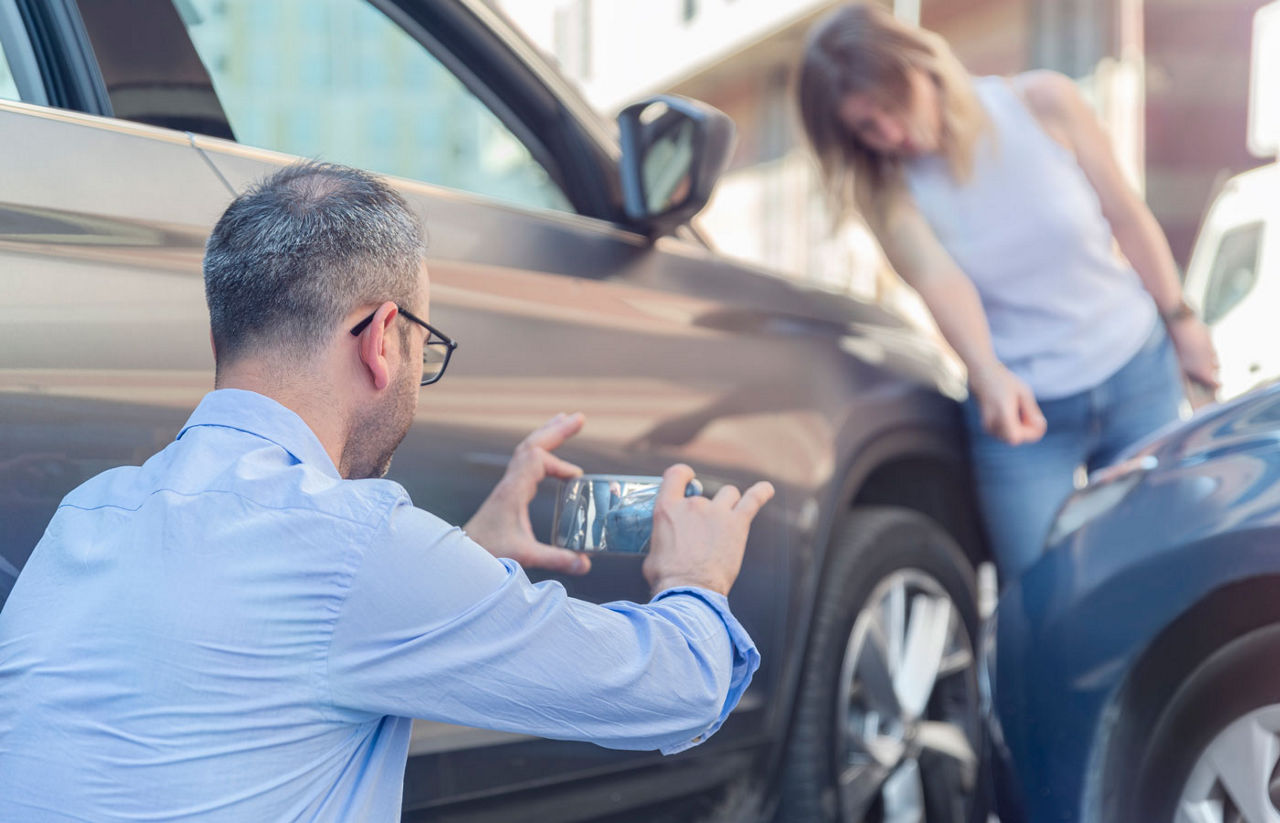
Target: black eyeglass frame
{"type": "Point", "coordinates": [449, 343]}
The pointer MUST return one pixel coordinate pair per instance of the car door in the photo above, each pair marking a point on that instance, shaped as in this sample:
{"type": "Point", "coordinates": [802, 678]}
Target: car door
{"type": "Point", "coordinates": [556, 307]}
{"type": "Point", "coordinates": [103, 335]}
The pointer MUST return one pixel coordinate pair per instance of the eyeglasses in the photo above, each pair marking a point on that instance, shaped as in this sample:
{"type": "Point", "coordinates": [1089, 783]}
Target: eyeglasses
{"type": "Point", "coordinates": [435, 353]}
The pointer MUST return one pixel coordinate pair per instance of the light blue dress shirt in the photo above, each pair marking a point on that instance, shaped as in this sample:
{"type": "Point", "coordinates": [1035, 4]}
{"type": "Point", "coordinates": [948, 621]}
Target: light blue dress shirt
{"type": "Point", "coordinates": [232, 631]}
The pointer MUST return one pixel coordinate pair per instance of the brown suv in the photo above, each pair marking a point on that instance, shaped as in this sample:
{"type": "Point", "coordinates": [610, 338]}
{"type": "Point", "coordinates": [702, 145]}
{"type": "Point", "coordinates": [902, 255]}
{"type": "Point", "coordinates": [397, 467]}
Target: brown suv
{"type": "Point", "coordinates": [562, 259]}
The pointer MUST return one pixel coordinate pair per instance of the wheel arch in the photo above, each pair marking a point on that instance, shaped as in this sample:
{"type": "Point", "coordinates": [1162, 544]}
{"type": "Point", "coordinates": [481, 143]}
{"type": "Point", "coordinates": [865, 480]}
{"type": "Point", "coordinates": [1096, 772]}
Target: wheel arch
{"type": "Point", "coordinates": [1226, 613]}
{"type": "Point", "coordinates": [933, 485]}
{"type": "Point", "coordinates": [916, 468]}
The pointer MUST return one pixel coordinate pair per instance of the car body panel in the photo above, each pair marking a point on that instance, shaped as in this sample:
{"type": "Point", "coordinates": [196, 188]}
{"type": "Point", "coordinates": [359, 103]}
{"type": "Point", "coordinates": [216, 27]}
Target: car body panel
{"type": "Point", "coordinates": [105, 338]}
{"type": "Point", "coordinates": [664, 373]}
{"type": "Point", "coordinates": [1072, 629]}
{"type": "Point", "coordinates": [673, 352]}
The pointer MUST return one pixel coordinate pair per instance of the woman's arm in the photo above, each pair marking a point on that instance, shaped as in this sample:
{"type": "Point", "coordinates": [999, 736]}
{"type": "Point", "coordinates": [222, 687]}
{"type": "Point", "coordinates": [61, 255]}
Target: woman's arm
{"type": "Point", "coordinates": [1009, 409]}
{"type": "Point", "coordinates": [1065, 115]}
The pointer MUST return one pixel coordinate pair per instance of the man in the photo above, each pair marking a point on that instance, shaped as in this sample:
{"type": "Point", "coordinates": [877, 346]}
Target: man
{"type": "Point", "coordinates": [240, 628]}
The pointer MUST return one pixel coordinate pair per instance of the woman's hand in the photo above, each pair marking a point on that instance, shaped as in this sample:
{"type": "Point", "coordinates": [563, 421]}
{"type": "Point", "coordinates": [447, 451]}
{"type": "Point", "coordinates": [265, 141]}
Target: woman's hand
{"type": "Point", "coordinates": [1009, 409]}
{"type": "Point", "coordinates": [1196, 356]}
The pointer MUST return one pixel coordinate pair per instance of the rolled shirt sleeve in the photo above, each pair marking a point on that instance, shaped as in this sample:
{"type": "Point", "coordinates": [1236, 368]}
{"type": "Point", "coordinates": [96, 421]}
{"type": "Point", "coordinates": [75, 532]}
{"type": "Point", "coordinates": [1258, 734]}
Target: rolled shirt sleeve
{"type": "Point", "coordinates": [713, 609]}
{"type": "Point", "coordinates": [434, 627]}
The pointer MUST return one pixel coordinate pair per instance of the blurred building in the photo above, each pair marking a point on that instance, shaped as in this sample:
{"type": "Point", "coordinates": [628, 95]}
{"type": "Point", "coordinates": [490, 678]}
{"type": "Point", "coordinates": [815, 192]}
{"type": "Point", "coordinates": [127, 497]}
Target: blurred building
{"type": "Point", "coordinates": [736, 55]}
{"type": "Point", "coordinates": [1169, 78]}
{"type": "Point", "coordinates": [1197, 80]}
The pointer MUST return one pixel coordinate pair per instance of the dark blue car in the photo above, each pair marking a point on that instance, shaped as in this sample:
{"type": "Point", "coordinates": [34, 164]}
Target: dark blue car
{"type": "Point", "coordinates": [1134, 671]}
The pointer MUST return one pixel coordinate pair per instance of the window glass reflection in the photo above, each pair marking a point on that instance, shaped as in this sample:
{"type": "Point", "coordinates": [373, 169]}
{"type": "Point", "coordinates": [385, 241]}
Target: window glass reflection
{"type": "Point", "coordinates": [8, 86]}
{"type": "Point", "coordinates": [337, 80]}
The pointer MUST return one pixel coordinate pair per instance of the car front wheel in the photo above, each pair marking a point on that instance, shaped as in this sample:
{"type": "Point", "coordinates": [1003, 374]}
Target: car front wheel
{"type": "Point", "coordinates": [1214, 754]}
{"type": "Point", "coordinates": [887, 725]}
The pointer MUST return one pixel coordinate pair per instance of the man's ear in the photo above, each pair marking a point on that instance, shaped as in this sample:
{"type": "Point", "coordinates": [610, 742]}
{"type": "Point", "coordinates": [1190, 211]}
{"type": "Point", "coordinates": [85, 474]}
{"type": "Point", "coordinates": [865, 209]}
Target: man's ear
{"type": "Point", "coordinates": [374, 341]}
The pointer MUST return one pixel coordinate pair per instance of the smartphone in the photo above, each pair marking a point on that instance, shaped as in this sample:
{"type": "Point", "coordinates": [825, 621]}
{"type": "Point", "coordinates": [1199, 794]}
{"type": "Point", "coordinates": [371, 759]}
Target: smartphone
{"type": "Point", "coordinates": [608, 512]}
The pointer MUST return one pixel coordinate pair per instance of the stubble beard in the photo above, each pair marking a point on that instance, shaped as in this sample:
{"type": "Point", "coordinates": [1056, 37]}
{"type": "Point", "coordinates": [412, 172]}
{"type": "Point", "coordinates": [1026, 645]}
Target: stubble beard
{"type": "Point", "coordinates": [375, 436]}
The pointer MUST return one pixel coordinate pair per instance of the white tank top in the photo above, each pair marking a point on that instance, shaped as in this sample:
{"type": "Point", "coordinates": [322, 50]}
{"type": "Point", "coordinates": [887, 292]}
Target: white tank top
{"type": "Point", "coordinates": [1065, 311]}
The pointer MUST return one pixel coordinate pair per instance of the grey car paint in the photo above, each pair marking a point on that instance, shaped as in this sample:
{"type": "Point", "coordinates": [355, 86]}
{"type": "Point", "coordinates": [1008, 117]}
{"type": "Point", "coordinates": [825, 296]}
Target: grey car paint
{"type": "Point", "coordinates": [673, 352]}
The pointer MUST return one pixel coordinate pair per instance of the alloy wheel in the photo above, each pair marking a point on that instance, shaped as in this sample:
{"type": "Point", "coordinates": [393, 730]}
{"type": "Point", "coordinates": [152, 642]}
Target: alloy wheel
{"type": "Point", "coordinates": [1235, 779]}
{"type": "Point", "coordinates": [907, 716]}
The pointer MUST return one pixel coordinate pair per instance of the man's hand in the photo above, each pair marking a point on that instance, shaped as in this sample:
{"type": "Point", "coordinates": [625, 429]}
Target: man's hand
{"type": "Point", "coordinates": [696, 541]}
{"type": "Point", "coordinates": [501, 525]}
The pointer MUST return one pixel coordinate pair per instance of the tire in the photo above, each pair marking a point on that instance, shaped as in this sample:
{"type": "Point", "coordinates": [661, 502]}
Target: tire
{"type": "Point", "coordinates": [891, 572]}
{"type": "Point", "coordinates": [1206, 752]}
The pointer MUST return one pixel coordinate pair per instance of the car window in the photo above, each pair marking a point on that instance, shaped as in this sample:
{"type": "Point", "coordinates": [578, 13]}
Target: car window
{"type": "Point", "coordinates": [1234, 271]}
{"type": "Point", "coordinates": [8, 85]}
{"type": "Point", "coordinates": [19, 72]}
{"type": "Point", "coordinates": [340, 81]}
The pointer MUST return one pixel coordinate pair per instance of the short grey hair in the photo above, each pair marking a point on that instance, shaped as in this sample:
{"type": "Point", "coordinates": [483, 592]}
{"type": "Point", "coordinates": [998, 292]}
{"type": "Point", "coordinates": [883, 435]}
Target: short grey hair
{"type": "Point", "coordinates": [294, 254]}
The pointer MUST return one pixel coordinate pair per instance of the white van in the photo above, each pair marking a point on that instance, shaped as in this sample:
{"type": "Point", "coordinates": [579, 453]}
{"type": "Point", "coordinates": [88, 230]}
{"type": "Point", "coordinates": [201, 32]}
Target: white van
{"type": "Point", "coordinates": [1233, 279]}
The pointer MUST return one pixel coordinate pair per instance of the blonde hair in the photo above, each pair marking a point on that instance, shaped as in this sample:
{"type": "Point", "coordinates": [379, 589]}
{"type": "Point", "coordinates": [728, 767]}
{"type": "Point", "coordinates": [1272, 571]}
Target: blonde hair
{"type": "Point", "coordinates": [863, 48]}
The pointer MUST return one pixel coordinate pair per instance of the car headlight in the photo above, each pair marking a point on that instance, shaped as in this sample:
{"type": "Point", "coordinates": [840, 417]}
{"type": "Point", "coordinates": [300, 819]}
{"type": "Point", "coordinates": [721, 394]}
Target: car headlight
{"type": "Point", "coordinates": [1104, 491]}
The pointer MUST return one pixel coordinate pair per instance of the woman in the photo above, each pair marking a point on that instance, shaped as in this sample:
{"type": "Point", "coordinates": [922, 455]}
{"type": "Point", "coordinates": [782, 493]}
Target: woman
{"type": "Point", "coordinates": [999, 200]}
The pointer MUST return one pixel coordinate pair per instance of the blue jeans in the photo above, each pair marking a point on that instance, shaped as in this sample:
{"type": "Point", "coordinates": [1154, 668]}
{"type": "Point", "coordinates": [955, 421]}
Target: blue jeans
{"type": "Point", "coordinates": [1021, 488]}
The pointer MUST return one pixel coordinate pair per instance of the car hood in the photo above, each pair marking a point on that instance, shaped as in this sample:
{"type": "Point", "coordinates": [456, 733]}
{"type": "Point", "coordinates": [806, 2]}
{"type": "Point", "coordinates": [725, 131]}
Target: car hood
{"type": "Point", "coordinates": [1244, 424]}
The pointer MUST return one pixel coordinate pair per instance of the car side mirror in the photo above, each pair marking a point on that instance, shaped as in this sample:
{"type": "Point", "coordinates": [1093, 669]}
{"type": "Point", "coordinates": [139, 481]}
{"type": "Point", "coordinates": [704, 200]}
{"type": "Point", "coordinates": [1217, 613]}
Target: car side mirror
{"type": "Point", "coordinates": [673, 151]}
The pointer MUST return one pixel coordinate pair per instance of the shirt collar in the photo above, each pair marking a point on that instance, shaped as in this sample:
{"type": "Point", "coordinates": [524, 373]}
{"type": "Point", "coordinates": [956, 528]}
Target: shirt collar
{"type": "Point", "coordinates": [263, 417]}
